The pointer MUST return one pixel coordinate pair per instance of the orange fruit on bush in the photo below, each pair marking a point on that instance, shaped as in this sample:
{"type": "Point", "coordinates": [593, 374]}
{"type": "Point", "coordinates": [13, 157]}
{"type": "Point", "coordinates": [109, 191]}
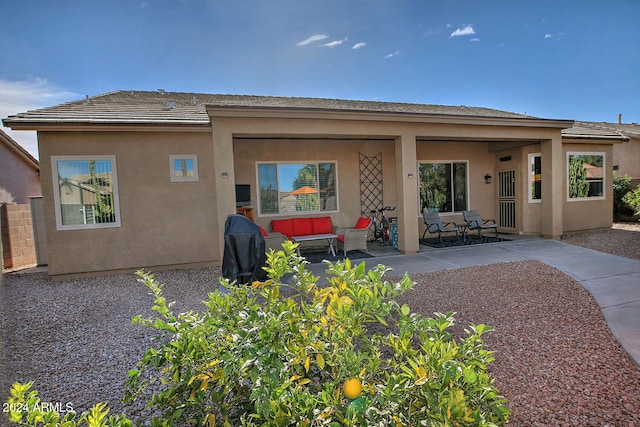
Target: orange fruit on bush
{"type": "Point", "coordinates": [352, 388]}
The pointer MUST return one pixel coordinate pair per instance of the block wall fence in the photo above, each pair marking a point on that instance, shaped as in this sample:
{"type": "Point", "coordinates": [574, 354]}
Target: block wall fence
{"type": "Point", "coordinates": [18, 245]}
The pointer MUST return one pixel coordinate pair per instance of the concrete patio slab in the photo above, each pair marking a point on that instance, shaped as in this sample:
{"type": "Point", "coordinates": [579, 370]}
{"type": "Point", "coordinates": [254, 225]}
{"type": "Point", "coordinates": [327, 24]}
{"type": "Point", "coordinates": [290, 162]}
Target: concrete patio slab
{"type": "Point", "coordinates": [467, 256]}
{"type": "Point", "coordinates": [615, 290]}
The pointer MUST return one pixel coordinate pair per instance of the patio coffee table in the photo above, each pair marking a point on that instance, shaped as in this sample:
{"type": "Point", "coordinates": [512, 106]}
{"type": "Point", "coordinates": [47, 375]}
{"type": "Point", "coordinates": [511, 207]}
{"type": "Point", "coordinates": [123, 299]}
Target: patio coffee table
{"type": "Point", "coordinates": [309, 237]}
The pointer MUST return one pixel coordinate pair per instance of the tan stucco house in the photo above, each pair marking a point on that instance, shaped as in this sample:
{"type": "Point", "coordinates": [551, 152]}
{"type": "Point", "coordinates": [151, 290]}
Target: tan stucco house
{"type": "Point", "coordinates": [136, 179]}
{"type": "Point", "coordinates": [626, 156]}
{"type": "Point", "coordinates": [19, 170]}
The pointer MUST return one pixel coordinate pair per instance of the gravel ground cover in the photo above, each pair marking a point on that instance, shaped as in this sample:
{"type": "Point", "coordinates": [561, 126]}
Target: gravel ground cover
{"type": "Point", "coordinates": [556, 361]}
{"type": "Point", "coordinates": [622, 239]}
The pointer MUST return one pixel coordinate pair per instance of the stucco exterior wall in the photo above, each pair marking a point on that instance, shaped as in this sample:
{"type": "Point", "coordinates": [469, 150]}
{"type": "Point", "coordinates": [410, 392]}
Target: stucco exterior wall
{"type": "Point", "coordinates": [586, 214]}
{"type": "Point", "coordinates": [17, 177]}
{"type": "Point", "coordinates": [172, 224]}
{"type": "Point", "coordinates": [626, 156]}
{"type": "Point", "coordinates": [163, 223]}
{"type": "Point", "coordinates": [344, 152]}
{"type": "Point", "coordinates": [531, 213]}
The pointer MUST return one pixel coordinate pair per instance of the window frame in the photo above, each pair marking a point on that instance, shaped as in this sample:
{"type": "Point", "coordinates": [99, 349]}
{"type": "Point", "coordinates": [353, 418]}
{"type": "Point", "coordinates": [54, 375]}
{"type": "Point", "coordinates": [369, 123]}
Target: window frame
{"type": "Point", "coordinates": [56, 193]}
{"type": "Point", "coordinates": [604, 175]}
{"type": "Point", "coordinates": [467, 183]}
{"type": "Point", "coordinates": [172, 169]}
{"type": "Point", "coordinates": [294, 162]}
{"type": "Point", "coordinates": [530, 180]}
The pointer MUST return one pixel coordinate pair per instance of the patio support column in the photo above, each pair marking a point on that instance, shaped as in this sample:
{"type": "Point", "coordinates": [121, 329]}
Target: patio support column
{"type": "Point", "coordinates": [407, 193]}
{"type": "Point", "coordinates": [224, 178]}
{"type": "Point", "coordinates": [553, 185]}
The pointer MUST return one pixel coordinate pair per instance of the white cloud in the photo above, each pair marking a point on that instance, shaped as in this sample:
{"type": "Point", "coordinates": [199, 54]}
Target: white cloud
{"type": "Point", "coordinates": [475, 39]}
{"type": "Point", "coordinates": [24, 95]}
{"type": "Point", "coordinates": [391, 55]}
{"type": "Point", "coordinates": [312, 39]}
{"type": "Point", "coordinates": [359, 45]}
{"type": "Point", "coordinates": [548, 36]}
{"type": "Point", "coordinates": [465, 31]}
{"type": "Point", "coordinates": [335, 43]}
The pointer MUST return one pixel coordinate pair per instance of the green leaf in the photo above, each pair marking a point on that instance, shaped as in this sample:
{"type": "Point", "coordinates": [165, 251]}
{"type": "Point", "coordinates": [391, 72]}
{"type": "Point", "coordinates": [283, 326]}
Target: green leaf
{"type": "Point", "coordinates": [470, 375]}
{"type": "Point", "coordinates": [405, 310]}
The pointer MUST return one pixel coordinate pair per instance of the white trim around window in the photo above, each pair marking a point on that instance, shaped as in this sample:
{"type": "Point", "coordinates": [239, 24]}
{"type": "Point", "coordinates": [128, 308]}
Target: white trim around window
{"type": "Point", "coordinates": [535, 177]}
{"type": "Point", "coordinates": [593, 182]}
{"type": "Point", "coordinates": [85, 192]}
{"type": "Point", "coordinates": [183, 167]}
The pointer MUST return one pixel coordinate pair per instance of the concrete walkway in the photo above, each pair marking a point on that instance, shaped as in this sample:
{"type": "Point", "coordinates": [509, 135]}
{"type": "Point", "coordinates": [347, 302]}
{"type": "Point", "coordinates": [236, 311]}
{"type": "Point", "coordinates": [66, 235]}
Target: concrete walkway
{"type": "Point", "coordinates": [614, 281]}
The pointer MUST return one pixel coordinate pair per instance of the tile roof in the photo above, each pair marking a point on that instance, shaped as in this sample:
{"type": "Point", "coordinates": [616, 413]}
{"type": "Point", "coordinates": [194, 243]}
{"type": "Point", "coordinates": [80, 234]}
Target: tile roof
{"type": "Point", "coordinates": [591, 131]}
{"type": "Point", "coordinates": [159, 107]}
{"type": "Point", "coordinates": [627, 129]}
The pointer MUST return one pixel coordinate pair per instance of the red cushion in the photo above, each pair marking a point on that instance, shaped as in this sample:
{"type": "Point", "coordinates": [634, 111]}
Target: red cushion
{"type": "Point", "coordinates": [322, 225]}
{"type": "Point", "coordinates": [362, 223]}
{"type": "Point", "coordinates": [340, 238]}
{"type": "Point", "coordinates": [302, 226]}
{"type": "Point", "coordinates": [264, 233]}
{"type": "Point", "coordinates": [284, 226]}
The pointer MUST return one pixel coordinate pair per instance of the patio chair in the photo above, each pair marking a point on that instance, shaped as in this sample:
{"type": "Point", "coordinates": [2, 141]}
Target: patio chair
{"type": "Point", "coordinates": [435, 225]}
{"type": "Point", "coordinates": [353, 238]}
{"type": "Point", "coordinates": [475, 222]}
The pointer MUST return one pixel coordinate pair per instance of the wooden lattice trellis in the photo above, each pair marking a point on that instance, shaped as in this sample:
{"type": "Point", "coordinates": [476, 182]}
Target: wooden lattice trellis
{"type": "Point", "coordinates": [370, 183]}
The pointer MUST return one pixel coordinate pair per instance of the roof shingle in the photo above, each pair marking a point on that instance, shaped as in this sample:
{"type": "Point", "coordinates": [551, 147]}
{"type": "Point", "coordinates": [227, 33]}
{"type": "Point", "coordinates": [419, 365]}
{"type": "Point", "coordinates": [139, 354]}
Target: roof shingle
{"type": "Point", "coordinates": [159, 107]}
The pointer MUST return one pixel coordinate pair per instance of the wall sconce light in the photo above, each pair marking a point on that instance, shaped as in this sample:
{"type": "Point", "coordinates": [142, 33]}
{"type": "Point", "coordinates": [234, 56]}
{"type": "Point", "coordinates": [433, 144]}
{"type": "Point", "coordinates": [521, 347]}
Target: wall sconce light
{"type": "Point", "coordinates": [487, 179]}
{"type": "Point", "coordinates": [410, 175]}
{"type": "Point", "coordinates": [224, 175]}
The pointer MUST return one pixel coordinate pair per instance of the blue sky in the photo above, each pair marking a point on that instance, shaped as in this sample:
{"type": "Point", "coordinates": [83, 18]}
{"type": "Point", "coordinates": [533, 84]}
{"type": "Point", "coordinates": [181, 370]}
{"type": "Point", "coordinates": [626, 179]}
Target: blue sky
{"type": "Point", "coordinates": [561, 59]}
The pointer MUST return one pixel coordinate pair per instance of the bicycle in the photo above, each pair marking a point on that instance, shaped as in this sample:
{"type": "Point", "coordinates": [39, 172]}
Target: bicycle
{"type": "Point", "coordinates": [381, 229]}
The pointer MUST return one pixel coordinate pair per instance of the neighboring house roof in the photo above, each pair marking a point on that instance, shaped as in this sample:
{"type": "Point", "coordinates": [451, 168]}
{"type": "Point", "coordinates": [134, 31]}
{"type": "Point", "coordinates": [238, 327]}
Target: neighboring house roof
{"type": "Point", "coordinates": [593, 172]}
{"type": "Point", "coordinates": [12, 145]}
{"type": "Point", "coordinates": [162, 108]}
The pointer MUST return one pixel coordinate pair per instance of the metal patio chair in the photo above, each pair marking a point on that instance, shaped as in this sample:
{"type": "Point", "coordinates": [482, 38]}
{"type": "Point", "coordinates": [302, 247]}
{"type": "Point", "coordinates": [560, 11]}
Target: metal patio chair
{"type": "Point", "coordinates": [435, 225]}
{"type": "Point", "coordinates": [476, 222]}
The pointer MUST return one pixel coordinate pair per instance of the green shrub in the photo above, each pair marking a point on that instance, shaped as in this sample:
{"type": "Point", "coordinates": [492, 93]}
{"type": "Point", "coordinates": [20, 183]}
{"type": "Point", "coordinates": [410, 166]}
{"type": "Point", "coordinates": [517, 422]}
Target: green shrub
{"type": "Point", "coordinates": [258, 358]}
{"type": "Point", "coordinates": [621, 186]}
{"type": "Point", "coordinates": [24, 407]}
{"type": "Point", "coordinates": [632, 198]}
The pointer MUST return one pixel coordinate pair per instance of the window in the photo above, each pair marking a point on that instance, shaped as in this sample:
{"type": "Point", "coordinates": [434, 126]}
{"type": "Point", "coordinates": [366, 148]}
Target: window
{"type": "Point", "coordinates": [297, 187]}
{"type": "Point", "coordinates": [85, 192]}
{"type": "Point", "coordinates": [585, 175]}
{"type": "Point", "coordinates": [183, 167]}
{"type": "Point", "coordinates": [535, 178]}
{"type": "Point", "coordinates": [443, 186]}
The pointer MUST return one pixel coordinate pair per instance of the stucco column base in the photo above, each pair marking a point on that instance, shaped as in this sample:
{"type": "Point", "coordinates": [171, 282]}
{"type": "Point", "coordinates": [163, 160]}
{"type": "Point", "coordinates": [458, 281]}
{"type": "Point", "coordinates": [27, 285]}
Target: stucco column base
{"type": "Point", "coordinates": [552, 236]}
